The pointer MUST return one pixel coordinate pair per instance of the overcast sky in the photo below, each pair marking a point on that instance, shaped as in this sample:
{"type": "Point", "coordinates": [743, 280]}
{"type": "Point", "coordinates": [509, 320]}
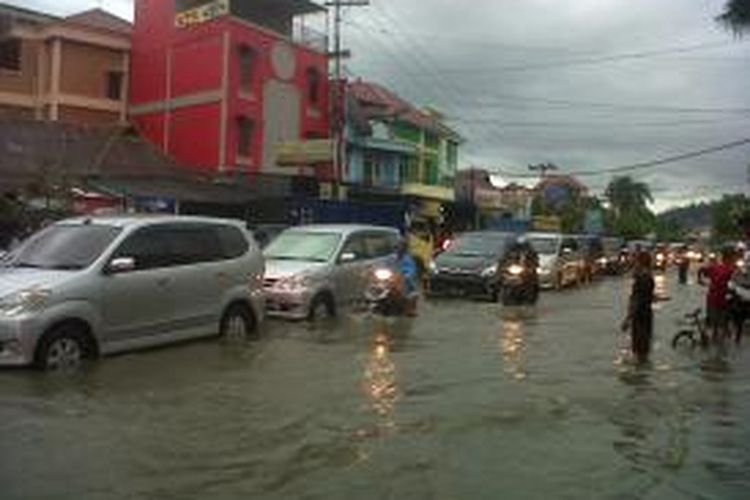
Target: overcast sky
{"type": "Point", "coordinates": [585, 84]}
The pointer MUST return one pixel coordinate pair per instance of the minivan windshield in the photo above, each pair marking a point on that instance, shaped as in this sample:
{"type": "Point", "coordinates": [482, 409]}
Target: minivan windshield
{"type": "Point", "coordinates": [303, 246]}
{"type": "Point", "coordinates": [65, 247]}
{"type": "Point", "coordinates": [478, 245]}
{"type": "Point", "coordinates": [545, 246]}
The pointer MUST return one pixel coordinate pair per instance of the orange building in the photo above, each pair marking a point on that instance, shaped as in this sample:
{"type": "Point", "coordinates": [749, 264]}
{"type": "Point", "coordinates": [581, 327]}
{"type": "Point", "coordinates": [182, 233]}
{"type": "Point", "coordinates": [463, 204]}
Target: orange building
{"type": "Point", "coordinates": [73, 69]}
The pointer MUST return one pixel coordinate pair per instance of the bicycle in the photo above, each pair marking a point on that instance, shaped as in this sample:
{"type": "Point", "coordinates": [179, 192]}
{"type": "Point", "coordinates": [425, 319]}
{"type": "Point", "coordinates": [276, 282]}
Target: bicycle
{"type": "Point", "coordinates": [696, 328]}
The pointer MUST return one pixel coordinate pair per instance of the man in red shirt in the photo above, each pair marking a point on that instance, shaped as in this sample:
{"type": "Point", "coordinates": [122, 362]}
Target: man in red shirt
{"type": "Point", "coordinates": [719, 274]}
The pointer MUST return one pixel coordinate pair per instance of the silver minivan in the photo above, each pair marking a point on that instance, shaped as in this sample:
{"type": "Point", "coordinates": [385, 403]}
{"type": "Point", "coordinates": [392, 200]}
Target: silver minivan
{"type": "Point", "coordinates": [311, 271]}
{"type": "Point", "coordinates": [561, 261]}
{"type": "Point", "coordinates": [90, 286]}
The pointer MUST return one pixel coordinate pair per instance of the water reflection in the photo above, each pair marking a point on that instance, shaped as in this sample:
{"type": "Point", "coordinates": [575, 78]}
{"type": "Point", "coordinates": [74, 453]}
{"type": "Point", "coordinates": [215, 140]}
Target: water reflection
{"type": "Point", "coordinates": [380, 378]}
{"type": "Point", "coordinates": [512, 347]}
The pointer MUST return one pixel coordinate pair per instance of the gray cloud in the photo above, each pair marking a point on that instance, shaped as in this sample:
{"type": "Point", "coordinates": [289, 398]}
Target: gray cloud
{"type": "Point", "coordinates": [491, 65]}
{"type": "Point", "coordinates": [486, 64]}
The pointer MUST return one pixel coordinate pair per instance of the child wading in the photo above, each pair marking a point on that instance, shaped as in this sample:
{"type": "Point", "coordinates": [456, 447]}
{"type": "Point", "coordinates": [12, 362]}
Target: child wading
{"type": "Point", "coordinates": [640, 318]}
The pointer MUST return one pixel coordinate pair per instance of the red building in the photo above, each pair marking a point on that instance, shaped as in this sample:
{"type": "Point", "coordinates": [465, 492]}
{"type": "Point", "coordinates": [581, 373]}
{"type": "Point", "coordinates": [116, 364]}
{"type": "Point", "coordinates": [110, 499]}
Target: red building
{"type": "Point", "coordinates": [233, 87]}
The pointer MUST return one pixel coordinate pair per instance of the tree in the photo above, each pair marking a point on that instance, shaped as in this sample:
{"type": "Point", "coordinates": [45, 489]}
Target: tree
{"type": "Point", "coordinates": [736, 16]}
{"type": "Point", "coordinates": [628, 200]}
{"type": "Point", "coordinates": [728, 216]}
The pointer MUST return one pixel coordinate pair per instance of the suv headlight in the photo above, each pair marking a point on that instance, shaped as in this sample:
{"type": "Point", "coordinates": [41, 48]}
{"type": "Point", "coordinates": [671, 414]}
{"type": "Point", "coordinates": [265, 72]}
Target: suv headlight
{"type": "Point", "coordinates": [489, 271]}
{"type": "Point", "coordinates": [29, 300]}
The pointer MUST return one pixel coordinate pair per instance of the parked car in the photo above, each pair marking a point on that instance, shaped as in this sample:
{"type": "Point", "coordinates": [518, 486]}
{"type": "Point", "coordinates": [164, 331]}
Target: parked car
{"type": "Point", "coordinates": [470, 265]}
{"type": "Point", "coordinates": [561, 261]}
{"type": "Point", "coordinates": [312, 271]}
{"type": "Point", "coordinates": [90, 286]}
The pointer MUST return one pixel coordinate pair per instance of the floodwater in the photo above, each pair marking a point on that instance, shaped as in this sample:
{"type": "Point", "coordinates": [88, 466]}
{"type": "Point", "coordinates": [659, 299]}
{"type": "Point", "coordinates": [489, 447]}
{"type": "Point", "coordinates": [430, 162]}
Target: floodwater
{"type": "Point", "coordinates": [469, 401]}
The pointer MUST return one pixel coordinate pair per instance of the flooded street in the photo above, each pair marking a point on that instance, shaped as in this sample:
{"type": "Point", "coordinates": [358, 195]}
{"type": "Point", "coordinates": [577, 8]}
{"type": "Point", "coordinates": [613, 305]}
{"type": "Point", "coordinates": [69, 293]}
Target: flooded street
{"type": "Point", "coordinates": [469, 401]}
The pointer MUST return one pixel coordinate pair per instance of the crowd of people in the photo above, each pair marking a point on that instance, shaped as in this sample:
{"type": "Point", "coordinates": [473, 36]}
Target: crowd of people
{"type": "Point", "coordinates": [727, 298]}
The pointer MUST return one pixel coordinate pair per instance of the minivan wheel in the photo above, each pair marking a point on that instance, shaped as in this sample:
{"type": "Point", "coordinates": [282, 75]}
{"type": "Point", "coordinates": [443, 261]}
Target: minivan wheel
{"type": "Point", "coordinates": [64, 348]}
{"type": "Point", "coordinates": [237, 323]}
{"type": "Point", "coordinates": [321, 308]}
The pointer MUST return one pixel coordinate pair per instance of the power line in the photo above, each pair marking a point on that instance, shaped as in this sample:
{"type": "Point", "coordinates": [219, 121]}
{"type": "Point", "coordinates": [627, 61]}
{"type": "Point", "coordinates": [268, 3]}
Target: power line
{"type": "Point", "coordinates": [588, 60]}
{"type": "Point", "coordinates": [642, 165]}
{"type": "Point", "coordinates": [614, 121]}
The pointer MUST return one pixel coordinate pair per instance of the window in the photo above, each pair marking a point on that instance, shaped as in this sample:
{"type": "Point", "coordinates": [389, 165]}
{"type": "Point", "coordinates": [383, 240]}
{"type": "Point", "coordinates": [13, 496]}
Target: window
{"type": "Point", "coordinates": [244, 136]}
{"type": "Point", "coordinates": [247, 63]}
{"type": "Point", "coordinates": [380, 245]}
{"type": "Point", "coordinates": [172, 245]}
{"type": "Point", "coordinates": [10, 54]}
{"type": "Point", "coordinates": [355, 246]}
{"type": "Point", "coordinates": [313, 85]}
{"type": "Point", "coordinates": [147, 247]}
{"type": "Point", "coordinates": [114, 85]}
{"type": "Point", "coordinates": [66, 247]}
{"type": "Point", "coordinates": [183, 5]}
{"type": "Point", "coordinates": [233, 242]}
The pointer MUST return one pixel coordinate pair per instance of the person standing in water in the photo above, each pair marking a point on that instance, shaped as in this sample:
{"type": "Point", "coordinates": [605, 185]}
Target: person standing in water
{"type": "Point", "coordinates": [640, 318]}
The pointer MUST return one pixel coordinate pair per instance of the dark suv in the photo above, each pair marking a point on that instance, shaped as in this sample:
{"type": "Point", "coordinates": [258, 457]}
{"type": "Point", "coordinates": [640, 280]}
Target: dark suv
{"type": "Point", "coordinates": [470, 266]}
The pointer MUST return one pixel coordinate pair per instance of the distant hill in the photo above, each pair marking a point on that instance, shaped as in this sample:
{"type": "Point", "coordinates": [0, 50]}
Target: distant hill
{"type": "Point", "coordinates": [690, 218]}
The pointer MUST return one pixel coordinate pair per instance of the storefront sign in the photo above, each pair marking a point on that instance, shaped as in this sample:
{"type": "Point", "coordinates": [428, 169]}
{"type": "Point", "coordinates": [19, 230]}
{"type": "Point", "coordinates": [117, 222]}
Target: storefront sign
{"type": "Point", "coordinates": [299, 153]}
{"type": "Point", "coordinates": [202, 13]}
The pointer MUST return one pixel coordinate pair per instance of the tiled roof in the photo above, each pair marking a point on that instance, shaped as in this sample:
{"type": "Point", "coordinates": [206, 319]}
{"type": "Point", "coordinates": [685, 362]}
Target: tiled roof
{"type": "Point", "coordinates": [377, 101]}
{"type": "Point", "coordinates": [31, 149]}
{"type": "Point", "coordinates": [102, 20]}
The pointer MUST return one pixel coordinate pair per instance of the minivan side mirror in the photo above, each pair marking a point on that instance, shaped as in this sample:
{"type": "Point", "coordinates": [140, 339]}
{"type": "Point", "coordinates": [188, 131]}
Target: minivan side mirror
{"type": "Point", "coordinates": [120, 265]}
{"type": "Point", "coordinates": [347, 257]}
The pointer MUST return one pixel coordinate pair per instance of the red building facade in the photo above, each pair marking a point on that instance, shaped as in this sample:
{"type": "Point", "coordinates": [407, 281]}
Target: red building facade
{"type": "Point", "coordinates": [233, 87]}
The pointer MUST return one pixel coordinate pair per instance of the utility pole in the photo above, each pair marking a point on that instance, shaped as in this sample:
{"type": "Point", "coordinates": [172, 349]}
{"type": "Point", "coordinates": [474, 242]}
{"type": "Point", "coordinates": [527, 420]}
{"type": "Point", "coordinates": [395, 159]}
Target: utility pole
{"type": "Point", "coordinates": [543, 168]}
{"type": "Point", "coordinates": [338, 108]}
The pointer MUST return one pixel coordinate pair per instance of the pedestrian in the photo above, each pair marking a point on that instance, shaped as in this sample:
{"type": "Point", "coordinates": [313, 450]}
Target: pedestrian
{"type": "Point", "coordinates": [719, 275]}
{"type": "Point", "coordinates": [683, 266]}
{"type": "Point", "coordinates": [640, 318]}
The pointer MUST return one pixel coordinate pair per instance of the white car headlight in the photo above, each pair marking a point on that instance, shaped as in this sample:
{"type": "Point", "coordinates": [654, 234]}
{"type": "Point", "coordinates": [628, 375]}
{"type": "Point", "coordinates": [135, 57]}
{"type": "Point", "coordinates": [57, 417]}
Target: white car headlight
{"type": "Point", "coordinates": [489, 271]}
{"type": "Point", "coordinates": [383, 274]}
{"type": "Point", "coordinates": [515, 269]}
{"type": "Point", "coordinates": [433, 267]}
{"type": "Point", "coordinates": [29, 300]}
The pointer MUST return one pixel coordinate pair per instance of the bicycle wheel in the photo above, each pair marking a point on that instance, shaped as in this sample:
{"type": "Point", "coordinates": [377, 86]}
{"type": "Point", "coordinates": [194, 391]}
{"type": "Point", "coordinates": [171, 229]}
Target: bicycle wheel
{"type": "Point", "coordinates": [684, 338]}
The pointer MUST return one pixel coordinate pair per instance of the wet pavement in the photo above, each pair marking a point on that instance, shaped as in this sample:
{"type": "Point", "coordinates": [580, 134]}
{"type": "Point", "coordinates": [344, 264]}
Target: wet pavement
{"type": "Point", "coordinates": [469, 401]}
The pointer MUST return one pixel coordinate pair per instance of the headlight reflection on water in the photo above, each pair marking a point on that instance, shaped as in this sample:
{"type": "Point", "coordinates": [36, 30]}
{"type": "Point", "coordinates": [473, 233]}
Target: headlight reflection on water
{"type": "Point", "coordinates": [380, 382]}
{"type": "Point", "coordinates": [512, 347]}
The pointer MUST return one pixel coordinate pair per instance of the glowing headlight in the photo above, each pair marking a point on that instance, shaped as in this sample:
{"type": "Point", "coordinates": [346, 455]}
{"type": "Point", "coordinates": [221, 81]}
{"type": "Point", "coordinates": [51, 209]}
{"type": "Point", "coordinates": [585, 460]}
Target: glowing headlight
{"type": "Point", "coordinates": [489, 271]}
{"type": "Point", "coordinates": [515, 269]}
{"type": "Point", "coordinates": [383, 274]}
{"type": "Point", "coordinates": [294, 283]}
{"type": "Point", "coordinates": [433, 267]}
{"type": "Point", "coordinates": [660, 257]}
{"type": "Point", "coordinates": [740, 263]}
{"type": "Point", "coordinates": [602, 261]}
{"type": "Point", "coordinates": [29, 300]}
{"type": "Point", "coordinates": [543, 270]}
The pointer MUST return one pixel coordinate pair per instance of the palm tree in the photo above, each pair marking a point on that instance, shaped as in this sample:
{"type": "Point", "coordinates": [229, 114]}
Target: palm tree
{"type": "Point", "coordinates": [628, 196]}
{"type": "Point", "coordinates": [736, 16]}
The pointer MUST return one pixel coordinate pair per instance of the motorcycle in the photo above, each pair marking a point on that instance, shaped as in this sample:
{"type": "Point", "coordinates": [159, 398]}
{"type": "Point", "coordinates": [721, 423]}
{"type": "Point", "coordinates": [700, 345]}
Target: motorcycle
{"type": "Point", "coordinates": [520, 285]}
{"type": "Point", "coordinates": [386, 294]}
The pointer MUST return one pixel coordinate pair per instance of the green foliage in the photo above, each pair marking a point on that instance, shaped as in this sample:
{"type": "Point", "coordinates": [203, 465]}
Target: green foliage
{"type": "Point", "coordinates": [630, 215]}
{"type": "Point", "coordinates": [728, 216]}
{"type": "Point", "coordinates": [736, 16]}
